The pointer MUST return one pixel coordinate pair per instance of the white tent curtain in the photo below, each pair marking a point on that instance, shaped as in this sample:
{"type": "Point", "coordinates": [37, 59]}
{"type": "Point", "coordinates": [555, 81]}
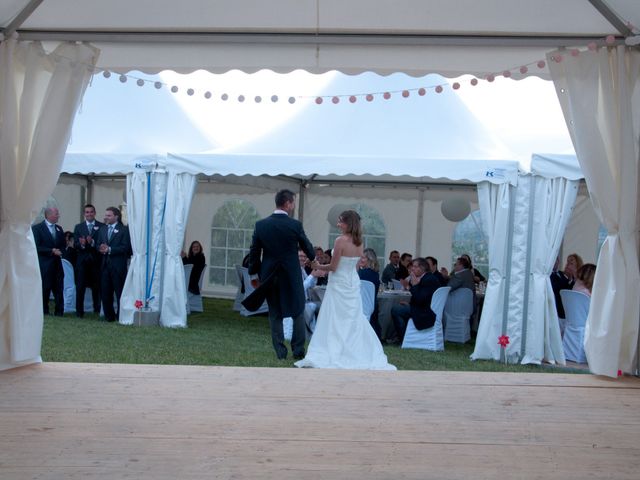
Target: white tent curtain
{"type": "Point", "coordinates": [39, 97]}
{"type": "Point", "coordinates": [551, 201]}
{"type": "Point", "coordinates": [180, 189]}
{"type": "Point", "coordinates": [146, 193]}
{"type": "Point", "coordinates": [495, 208]}
{"type": "Point", "coordinates": [600, 98]}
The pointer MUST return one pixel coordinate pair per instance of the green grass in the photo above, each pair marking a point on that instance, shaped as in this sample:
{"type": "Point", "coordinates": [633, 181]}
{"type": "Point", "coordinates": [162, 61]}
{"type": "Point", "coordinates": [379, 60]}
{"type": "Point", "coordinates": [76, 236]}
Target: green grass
{"type": "Point", "coordinates": [219, 336]}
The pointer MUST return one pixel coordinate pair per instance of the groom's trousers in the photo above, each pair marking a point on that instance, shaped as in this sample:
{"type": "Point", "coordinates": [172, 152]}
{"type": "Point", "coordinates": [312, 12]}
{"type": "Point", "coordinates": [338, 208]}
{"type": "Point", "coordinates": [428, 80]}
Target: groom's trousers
{"type": "Point", "coordinates": [277, 335]}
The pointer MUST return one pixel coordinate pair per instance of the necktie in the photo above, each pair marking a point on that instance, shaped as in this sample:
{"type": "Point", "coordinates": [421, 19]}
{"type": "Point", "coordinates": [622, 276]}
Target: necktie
{"type": "Point", "coordinates": [110, 232]}
{"type": "Point", "coordinates": [52, 229]}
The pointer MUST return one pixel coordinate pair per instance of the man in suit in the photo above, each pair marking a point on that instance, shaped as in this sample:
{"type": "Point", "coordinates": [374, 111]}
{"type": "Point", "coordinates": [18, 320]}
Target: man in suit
{"type": "Point", "coordinates": [275, 271]}
{"type": "Point", "coordinates": [392, 268]}
{"type": "Point", "coordinates": [462, 275]}
{"type": "Point", "coordinates": [49, 239]}
{"type": "Point", "coordinates": [87, 259]}
{"type": "Point", "coordinates": [114, 244]}
{"type": "Point", "coordinates": [422, 287]}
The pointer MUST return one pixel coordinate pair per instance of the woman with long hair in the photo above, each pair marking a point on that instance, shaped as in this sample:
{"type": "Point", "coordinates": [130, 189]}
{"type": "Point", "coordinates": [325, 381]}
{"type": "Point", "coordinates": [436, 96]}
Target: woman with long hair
{"type": "Point", "coordinates": [196, 258]}
{"type": "Point", "coordinates": [343, 337]}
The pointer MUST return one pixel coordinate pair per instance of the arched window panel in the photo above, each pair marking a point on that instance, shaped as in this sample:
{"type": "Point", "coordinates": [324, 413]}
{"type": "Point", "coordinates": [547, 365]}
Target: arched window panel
{"type": "Point", "coordinates": [231, 231]}
{"type": "Point", "coordinates": [468, 238]}
{"type": "Point", "coordinates": [374, 230]}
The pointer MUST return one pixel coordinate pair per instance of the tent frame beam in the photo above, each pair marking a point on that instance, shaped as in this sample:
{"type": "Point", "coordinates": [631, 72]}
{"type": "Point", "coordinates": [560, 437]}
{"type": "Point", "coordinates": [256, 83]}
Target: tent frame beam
{"type": "Point", "coordinates": [550, 41]}
{"type": "Point", "coordinates": [20, 18]}
{"type": "Point", "coordinates": [611, 17]}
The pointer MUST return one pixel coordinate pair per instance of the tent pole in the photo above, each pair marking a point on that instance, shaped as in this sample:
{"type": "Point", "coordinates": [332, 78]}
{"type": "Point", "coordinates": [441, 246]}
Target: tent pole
{"type": "Point", "coordinates": [507, 280]}
{"type": "Point", "coordinates": [301, 191]}
{"type": "Point", "coordinates": [420, 224]}
{"type": "Point", "coordinates": [527, 270]}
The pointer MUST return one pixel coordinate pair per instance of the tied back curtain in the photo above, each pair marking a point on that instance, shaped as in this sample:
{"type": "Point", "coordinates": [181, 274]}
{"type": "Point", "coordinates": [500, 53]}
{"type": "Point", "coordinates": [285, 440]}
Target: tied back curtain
{"type": "Point", "coordinates": [180, 189]}
{"type": "Point", "coordinates": [495, 207]}
{"type": "Point", "coordinates": [553, 200]}
{"type": "Point", "coordinates": [600, 97]}
{"type": "Point", "coordinates": [142, 189]}
{"type": "Point", "coordinates": [39, 97]}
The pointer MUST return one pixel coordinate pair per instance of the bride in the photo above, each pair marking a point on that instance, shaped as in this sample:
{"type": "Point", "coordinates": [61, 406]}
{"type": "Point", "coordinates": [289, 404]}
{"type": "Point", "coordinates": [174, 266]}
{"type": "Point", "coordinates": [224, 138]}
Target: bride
{"type": "Point", "coordinates": [343, 337]}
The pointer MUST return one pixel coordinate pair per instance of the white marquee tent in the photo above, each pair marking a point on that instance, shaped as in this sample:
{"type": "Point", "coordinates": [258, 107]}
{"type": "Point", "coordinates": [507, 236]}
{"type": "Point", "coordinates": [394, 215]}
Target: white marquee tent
{"type": "Point", "coordinates": [598, 90]}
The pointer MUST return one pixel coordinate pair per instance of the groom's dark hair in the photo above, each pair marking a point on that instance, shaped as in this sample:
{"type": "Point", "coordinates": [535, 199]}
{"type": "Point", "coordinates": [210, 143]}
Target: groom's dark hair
{"type": "Point", "coordinates": [284, 196]}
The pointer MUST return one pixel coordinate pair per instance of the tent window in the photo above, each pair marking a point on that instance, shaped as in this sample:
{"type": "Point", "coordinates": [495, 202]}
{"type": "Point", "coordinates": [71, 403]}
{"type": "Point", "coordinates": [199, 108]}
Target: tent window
{"type": "Point", "coordinates": [373, 226]}
{"type": "Point", "coordinates": [231, 232]}
{"type": "Point", "coordinates": [468, 238]}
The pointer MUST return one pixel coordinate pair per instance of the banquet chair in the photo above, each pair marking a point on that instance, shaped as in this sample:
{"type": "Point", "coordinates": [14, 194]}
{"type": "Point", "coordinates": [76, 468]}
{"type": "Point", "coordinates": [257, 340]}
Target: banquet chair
{"type": "Point", "coordinates": [237, 305]}
{"type": "Point", "coordinates": [368, 294]}
{"type": "Point", "coordinates": [195, 301]}
{"type": "Point", "coordinates": [576, 309]}
{"type": "Point", "coordinates": [429, 338]}
{"type": "Point", "coordinates": [187, 274]}
{"type": "Point", "coordinates": [248, 288]}
{"type": "Point", "coordinates": [69, 287]}
{"type": "Point", "coordinates": [457, 312]}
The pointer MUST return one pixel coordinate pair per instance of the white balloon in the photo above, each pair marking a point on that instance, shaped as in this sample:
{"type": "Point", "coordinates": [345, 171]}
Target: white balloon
{"type": "Point", "coordinates": [455, 209]}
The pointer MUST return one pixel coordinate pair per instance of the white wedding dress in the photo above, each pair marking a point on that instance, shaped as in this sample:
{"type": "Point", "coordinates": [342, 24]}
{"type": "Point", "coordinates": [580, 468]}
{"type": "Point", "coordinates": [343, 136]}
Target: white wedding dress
{"type": "Point", "coordinates": [343, 337]}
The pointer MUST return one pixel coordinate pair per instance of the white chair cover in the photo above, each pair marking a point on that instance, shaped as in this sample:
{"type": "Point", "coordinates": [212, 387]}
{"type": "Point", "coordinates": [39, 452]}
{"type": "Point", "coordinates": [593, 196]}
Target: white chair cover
{"type": "Point", "coordinates": [368, 293]}
{"type": "Point", "coordinates": [194, 303]}
{"type": "Point", "coordinates": [237, 306]}
{"type": "Point", "coordinates": [69, 287]}
{"type": "Point", "coordinates": [576, 309]}
{"type": "Point", "coordinates": [457, 312]}
{"type": "Point", "coordinates": [247, 291]}
{"type": "Point", "coordinates": [187, 274]}
{"type": "Point", "coordinates": [429, 338]}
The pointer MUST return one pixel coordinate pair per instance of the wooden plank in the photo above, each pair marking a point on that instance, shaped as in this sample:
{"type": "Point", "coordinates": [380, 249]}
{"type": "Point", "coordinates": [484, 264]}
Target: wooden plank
{"type": "Point", "coordinates": [145, 421]}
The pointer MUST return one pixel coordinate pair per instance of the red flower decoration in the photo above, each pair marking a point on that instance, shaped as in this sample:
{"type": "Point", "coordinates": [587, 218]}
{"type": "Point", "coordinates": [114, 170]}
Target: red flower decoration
{"type": "Point", "coordinates": [138, 304]}
{"type": "Point", "coordinates": [503, 341]}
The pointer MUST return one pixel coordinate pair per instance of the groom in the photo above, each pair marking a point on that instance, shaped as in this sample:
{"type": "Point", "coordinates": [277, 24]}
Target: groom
{"type": "Point", "coordinates": [275, 271]}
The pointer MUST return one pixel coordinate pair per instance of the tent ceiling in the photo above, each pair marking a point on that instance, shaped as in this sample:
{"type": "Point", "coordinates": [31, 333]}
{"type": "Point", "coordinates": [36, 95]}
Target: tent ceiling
{"type": "Point", "coordinates": [413, 36]}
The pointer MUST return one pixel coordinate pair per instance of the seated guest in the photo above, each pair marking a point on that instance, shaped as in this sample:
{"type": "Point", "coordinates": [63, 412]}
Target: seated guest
{"type": "Point", "coordinates": [461, 277]}
{"type": "Point", "coordinates": [559, 281]}
{"type": "Point", "coordinates": [477, 276]}
{"type": "Point", "coordinates": [323, 258]}
{"type": "Point", "coordinates": [432, 268]}
{"type": "Point", "coordinates": [403, 269]}
{"type": "Point", "coordinates": [368, 269]}
{"type": "Point", "coordinates": [584, 279]}
{"type": "Point", "coordinates": [574, 262]}
{"type": "Point", "coordinates": [390, 271]}
{"type": "Point", "coordinates": [309, 280]}
{"type": "Point", "coordinates": [196, 258]}
{"type": "Point", "coordinates": [69, 253]}
{"type": "Point", "coordinates": [422, 287]}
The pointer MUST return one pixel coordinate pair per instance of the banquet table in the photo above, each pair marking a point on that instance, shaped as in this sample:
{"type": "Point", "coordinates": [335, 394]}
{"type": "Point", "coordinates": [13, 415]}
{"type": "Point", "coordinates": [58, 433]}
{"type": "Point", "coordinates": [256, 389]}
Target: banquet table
{"type": "Point", "coordinates": [386, 300]}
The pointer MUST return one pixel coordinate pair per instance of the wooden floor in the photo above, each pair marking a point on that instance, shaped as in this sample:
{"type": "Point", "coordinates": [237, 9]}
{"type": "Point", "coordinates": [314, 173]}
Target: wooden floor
{"type": "Point", "coordinates": [85, 421]}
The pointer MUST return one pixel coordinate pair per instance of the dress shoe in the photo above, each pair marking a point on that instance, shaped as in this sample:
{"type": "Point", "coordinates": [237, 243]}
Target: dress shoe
{"type": "Point", "coordinates": [298, 356]}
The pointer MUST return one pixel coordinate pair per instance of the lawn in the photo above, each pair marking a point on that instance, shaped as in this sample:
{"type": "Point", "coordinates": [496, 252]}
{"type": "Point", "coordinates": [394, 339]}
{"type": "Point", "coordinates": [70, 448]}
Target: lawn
{"type": "Point", "coordinates": [220, 336]}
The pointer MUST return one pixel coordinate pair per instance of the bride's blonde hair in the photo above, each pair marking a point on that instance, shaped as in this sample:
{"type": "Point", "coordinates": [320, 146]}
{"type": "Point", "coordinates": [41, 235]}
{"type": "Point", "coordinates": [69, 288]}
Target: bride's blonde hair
{"type": "Point", "coordinates": [354, 228]}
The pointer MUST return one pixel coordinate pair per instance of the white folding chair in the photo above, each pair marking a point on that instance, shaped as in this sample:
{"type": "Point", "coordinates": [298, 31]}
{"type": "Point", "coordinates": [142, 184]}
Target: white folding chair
{"type": "Point", "coordinates": [195, 301]}
{"type": "Point", "coordinates": [69, 287]}
{"type": "Point", "coordinates": [429, 338]}
{"type": "Point", "coordinates": [248, 288]}
{"type": "Point", "coordinates": [237, 305]}
{"type": "Point", "coordinates": [187, 275]}
{"type": "Point", "coordinates": [368, 294]}
{"type": "Point", "coordinates": [457, 312]}
{"type": "Point", "coordinates": [576, 310]}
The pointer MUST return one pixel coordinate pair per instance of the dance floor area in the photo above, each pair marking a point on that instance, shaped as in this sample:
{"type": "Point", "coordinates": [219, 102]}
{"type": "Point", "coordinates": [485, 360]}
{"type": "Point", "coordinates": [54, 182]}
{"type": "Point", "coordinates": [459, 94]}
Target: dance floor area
{"type": "Point", "coordinates": [88, 421]}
